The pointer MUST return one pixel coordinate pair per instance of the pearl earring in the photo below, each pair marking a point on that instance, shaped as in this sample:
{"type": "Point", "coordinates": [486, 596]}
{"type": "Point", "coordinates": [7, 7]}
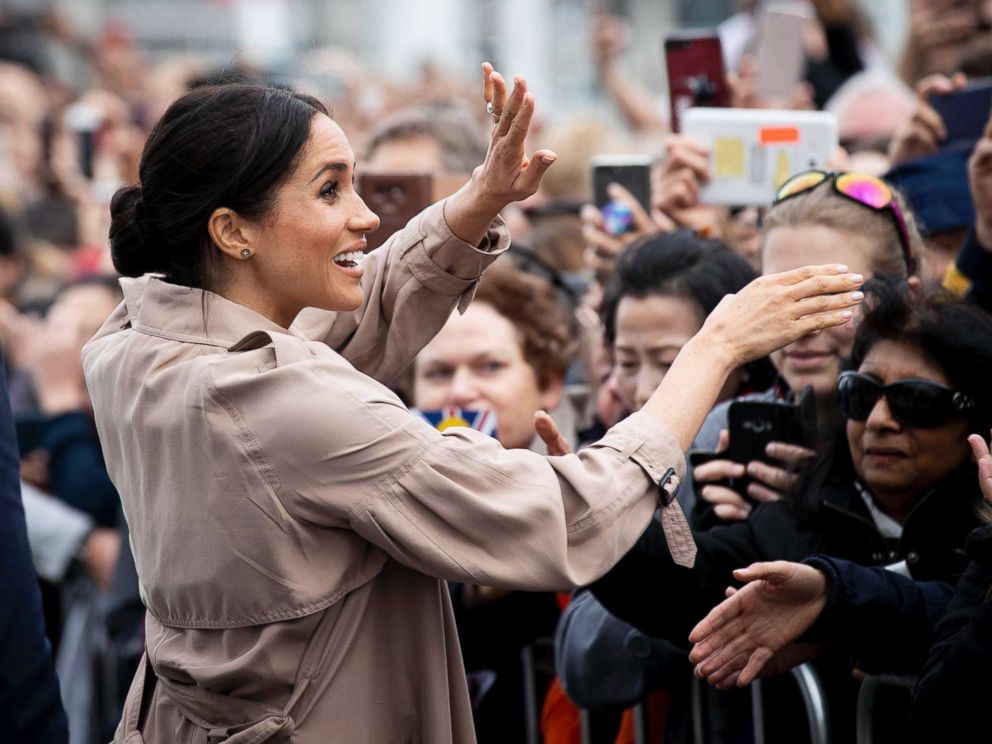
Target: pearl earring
{"type": "Point", "coordinates": [245, 253]}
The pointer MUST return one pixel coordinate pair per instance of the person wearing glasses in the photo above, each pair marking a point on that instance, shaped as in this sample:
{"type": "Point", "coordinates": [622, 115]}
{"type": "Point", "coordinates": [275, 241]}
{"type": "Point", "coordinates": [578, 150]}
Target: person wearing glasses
{"type": "Point", "coordinates": [888, 622]}
{"type": "Point", "coordinates": [853, 217]}
{"type": "Point", "coordinates": [896, 487]}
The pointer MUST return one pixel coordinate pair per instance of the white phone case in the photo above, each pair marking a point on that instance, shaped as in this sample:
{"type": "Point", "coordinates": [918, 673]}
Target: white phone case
{"type": "Point", "coordinates": [754, 151]}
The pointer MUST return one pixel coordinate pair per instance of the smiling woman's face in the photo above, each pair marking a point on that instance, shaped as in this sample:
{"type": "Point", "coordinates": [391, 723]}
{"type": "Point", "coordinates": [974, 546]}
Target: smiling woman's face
{"type": "Point", "coordinates": [900, 463]}
{"type": "Point", "coordinates": [307, 249]}
{"type": "Point", "coordinates": [815, 360]}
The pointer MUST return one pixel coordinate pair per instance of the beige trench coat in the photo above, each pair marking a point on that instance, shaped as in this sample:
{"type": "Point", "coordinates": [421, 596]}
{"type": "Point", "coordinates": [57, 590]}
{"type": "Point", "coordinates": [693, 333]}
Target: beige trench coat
{"type": "Point", "coordinates": [293, 524]}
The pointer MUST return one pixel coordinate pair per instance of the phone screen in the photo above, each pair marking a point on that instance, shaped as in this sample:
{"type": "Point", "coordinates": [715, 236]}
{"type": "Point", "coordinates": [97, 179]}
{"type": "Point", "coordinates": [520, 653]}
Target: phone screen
{"type": "Point", "coordinates": [634, 174]}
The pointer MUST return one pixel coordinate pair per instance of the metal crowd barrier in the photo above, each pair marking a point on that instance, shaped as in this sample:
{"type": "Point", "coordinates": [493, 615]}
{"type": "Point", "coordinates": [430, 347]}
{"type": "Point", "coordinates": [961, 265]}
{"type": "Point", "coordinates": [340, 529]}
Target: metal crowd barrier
{"type": "Point", "coordinates": [866, 702]}
{"type": "Point", "coordinates": [814, 700]}
{"type": "Point", "coordinates": [807, 680]}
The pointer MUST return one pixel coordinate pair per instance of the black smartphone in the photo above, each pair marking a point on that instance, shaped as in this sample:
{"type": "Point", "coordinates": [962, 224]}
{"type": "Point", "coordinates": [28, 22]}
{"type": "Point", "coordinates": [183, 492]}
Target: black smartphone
{"type": "Point", "coordinates": [633, 172]}
{"type": "Point", "coordinates": [753, 424]}
{"type": "Point", "coordinates": [396, 197]}
{"type": "Point", "coordinates": [965, 112]}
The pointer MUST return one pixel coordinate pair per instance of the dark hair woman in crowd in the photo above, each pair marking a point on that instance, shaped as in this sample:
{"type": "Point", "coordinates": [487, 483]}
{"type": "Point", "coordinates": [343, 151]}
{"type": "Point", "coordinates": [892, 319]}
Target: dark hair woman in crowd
{"type": "Point", "coordinates": [292, 522]}
{"type": "Point", "coordinates": [898, 488]}
{"type": "Point", "coordinates": [663, 289]}
{"type": "Point", "coordinates": [887, 622]}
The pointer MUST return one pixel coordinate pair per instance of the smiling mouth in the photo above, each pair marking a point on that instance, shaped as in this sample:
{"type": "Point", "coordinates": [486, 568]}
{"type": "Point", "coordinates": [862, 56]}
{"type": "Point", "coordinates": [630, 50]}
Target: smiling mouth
{"type": "Point", "coordinates": [350, 260]}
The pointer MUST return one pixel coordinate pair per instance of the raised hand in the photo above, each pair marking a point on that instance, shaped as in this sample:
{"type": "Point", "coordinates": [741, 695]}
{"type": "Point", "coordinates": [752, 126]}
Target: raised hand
{"type": "Point", "coordinates": [980, 181]}
{"type": "Point", "coordinates": [921, 134]}
{"type": "Point", "coordinates": [547, 429]}
{"type": "Point", "coordinates": [980, 449]}
{"type": "Point", "coordinates": [775, 310]}
{"type": "Point", "coordinates": [740, 636]}
{"type": "Point", "coordinates": [507, 174]}
{"type": "Point", "coordinates": [603, 247]}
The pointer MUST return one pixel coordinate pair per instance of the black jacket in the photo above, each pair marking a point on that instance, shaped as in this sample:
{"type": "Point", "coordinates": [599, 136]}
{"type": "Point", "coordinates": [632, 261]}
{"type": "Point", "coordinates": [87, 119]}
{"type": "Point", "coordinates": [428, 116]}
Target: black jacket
{"type": "Point", "coordinates": [665, 600]}
{"type": "Point", "coordinates": [956, 683]}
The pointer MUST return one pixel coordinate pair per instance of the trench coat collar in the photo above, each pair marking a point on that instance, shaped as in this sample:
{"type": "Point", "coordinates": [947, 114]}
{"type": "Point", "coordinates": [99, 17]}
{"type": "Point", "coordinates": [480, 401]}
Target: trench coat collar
{"type": "Point", "coordinates": [172, 311]}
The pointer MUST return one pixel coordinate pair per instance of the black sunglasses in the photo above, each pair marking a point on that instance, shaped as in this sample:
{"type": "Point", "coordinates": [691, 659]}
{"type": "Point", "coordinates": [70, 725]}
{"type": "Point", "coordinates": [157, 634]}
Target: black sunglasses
{"type": "Point", "coordinates": [919, 404]}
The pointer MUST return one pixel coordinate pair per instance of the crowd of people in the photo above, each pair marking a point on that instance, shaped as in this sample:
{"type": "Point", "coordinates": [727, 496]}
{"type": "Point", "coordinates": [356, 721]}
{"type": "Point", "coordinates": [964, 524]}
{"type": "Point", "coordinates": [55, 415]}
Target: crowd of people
{"type": "Point", "coordinates": [233, 519]}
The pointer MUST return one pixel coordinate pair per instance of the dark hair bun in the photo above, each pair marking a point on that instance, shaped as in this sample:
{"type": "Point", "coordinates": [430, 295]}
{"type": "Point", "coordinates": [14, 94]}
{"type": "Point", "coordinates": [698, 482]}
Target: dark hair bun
{"type": "Point", "coordinates": [131, 254]}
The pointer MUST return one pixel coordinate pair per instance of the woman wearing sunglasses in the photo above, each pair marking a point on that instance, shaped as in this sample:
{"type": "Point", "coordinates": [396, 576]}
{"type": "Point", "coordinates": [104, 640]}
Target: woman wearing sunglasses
{"type": "Point", "coordinates": [851, 217]}
{"type": "Point", "coordinates": [898, 487]}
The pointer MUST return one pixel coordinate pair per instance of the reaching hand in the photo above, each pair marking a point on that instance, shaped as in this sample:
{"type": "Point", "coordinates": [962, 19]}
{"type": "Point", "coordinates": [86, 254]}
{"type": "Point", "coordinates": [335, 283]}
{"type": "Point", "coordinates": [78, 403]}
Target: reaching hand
{"type": "Point", "coordinates": [921, 134]}
{"type": "Point", "coordinates": [980, 181]}
{"type": "Point", "coordinates": [775, 310]}
{"type": "Point", "coordinates": [547, 429]}
{"type": "Point", "coordinates": [980, 449]}
{"type": "Point", "coordinates": [507, 174]}
{"type": "Point", "coordinates": [602, 248]}
{"type": "Point", "coordinates": [735, 641]}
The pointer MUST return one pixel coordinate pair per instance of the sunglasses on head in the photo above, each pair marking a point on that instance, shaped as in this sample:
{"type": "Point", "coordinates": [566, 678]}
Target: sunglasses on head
{"type": "Point", "coordinates": [867, 190]}
{"type": "Point", "coordinates": [920, 404]}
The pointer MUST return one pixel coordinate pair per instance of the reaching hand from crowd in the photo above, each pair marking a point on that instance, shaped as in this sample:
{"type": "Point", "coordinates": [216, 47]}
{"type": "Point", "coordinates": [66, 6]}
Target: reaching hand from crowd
{"type": "Point", "coordinates": [921, 134]}
{"type": "Point", "coordinates": [547, 429]}
{"type": "Point", "coordinates": [603, 247]}
{"type": "Point", "coordinates": [769, 482]}
{"type": "Point", "coordinates": [980, 449]}
{"type": "Point", "coordinates": [942, 24]}
{"type": "Point", "coordinates": [980, 181]}
{"type": "Point", "coordinates": [735, 642]}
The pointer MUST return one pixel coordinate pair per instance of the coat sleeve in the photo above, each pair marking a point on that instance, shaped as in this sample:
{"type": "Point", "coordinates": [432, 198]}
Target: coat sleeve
{"type": "Point", "coordinates": [885, 619]}
{"type": "Point", "coordinates": [652, 593]}
{"type": "Point", "coordinates": [411, 285]}
{"type": "Point", "coordinates": [343, 452]}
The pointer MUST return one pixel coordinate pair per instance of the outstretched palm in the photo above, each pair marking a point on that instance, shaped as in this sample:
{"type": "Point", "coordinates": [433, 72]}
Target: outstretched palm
{"type": "Point", "coordinates": [735, 641]}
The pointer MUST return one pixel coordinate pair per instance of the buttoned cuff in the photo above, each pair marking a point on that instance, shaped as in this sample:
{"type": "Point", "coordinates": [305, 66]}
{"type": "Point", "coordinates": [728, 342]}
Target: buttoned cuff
{"type": "Point", "coordinates": [446, 264]}
{"type": "Point", "coordinates": [651, 444]}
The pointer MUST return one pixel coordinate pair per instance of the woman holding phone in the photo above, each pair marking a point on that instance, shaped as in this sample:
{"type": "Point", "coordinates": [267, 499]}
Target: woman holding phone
{"type": "Point", "coordinates": [292, 523]}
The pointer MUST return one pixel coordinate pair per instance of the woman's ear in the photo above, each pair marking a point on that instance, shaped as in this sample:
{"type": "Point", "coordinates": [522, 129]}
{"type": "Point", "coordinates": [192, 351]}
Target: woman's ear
{"type": "Point", "coordinates": [226, 230]}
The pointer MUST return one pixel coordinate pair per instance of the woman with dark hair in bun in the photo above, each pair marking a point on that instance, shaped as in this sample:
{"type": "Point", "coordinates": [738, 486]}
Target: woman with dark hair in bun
{"type": "Point", "coordinates": [292, 523]}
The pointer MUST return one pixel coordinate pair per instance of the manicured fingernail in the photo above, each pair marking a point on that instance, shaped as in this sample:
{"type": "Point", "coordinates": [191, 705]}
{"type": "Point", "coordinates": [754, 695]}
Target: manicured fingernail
{"type": "Point", "coordinates": [841, 269]}
{"type": "Point", "coordinates": [857, 278]}
{"type": "Point", "coordinates": [847, 314]}
{"type": "Point", "coordinates": [857, 295]}
{"type": "Point", "coordinates": [549, 159]}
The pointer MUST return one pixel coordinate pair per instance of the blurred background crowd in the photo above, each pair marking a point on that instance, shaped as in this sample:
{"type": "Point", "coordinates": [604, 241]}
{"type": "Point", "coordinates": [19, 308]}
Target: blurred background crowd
{"type": "Point", "coordinates": [581, 320]}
